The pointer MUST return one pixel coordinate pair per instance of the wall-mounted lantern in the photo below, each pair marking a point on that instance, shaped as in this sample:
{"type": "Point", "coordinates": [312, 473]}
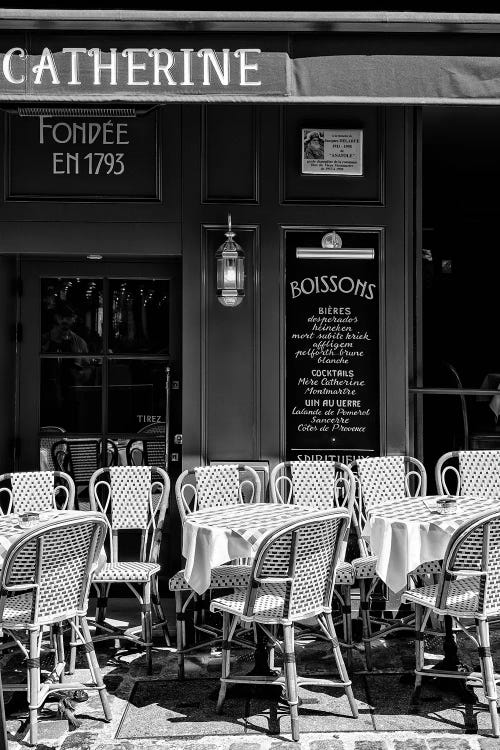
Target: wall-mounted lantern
{"type": "Point", "coordinates": [230, 270]}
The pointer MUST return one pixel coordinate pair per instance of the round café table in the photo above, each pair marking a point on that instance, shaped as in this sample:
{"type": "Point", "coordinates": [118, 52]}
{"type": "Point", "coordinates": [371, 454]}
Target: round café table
{"type": "Point", "coordinates": [218, 535]}
{"type": "Point", "coordinates": [405, 533]}
{"type": "Point", "coordinates": [215, 536]}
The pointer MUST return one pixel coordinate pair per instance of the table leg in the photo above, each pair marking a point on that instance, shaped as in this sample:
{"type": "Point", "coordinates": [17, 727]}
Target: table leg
{"type": "Point", "coordinates": [451, 663]}
{"type": "Point", "coordinates": [261, 656]}
{"type": "Point", "coordinates": [4, 745]}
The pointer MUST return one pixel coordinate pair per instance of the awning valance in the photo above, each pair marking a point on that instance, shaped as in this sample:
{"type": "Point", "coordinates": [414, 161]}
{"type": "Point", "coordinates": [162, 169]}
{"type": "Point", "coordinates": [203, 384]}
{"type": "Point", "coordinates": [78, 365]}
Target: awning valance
{"type": "Point", "coordinates": [243, 68]}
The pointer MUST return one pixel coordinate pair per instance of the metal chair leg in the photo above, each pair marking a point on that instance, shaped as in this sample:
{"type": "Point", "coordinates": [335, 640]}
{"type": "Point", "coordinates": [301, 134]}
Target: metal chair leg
{"type": "Point", "coordinates": [180, 631]}
{"type": "Point", "coordinates": [33, 683]}
{"type": "Point", "coordinates": [291, 679]}
{"type": "Point", "coordinates": [364, 606]}
{"type": "Point", "coordinates": [95, 669]}
{"type": "Point", "coordinates": [341, 666]}
{"type": "Point", "coordinates": [226, 660]}
{"type": "Point", "coordinates": [488, 672]}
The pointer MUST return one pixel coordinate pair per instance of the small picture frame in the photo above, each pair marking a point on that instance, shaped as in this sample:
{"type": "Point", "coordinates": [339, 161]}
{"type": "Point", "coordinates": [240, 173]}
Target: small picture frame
{"type": "Point", "coordinates": [332, 151]}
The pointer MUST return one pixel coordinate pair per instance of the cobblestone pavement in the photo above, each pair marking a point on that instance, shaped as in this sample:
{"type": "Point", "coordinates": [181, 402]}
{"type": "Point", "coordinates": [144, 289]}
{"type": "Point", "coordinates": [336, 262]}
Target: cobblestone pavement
{"type": "Point", "coordinates": [158, 711]}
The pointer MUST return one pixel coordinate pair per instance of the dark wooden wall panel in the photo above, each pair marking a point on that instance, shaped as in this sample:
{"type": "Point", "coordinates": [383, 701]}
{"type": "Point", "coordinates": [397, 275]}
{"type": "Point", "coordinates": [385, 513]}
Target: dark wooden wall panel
{"type": "Point", "coordinates": [232, 354]}
{"type": "Point", "coordinates": [230, 167]}
{"type": "Point", "coordinates": [8, 369]}
{"type": "Point", "coordinates": [324, 188]}
{"type": "Point", "coordinates": [161, 204]}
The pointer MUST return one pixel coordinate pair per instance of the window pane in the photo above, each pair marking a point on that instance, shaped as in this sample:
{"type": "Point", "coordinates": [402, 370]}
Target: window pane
{"type": "Point", "coordinates": [72, 315]}
{"type": "Point", "coordinates": [139, 316]}
{"type": "Point", "coordinates": [136, 397]}
{"type": "Point", "coordinates": [70, 393]}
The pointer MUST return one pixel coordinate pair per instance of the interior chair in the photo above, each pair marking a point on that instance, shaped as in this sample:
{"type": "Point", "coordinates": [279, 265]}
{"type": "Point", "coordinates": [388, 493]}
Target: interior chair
{"type": "Point", "coordinates": [81, 457]}
{"type": "Point", "coordinates": [469, 473]}
{"type": "Point", "coordinates": [381, 480]}
{"type": "Point", "coordinates": [196, 489]}
{"type": "Point", "coordinates": [37, 491]}
{"type": "Point", "coordinates": [45, 582]}
{"type": "Point", "coordinates": [468, 588]}
{"type": "Point", "coordinates": [53, 435]}
{"type": "Point", "coordinates": [149, 451]}
{"type": "Point", "coordinates": [135, 498]}
{"type": "Point", "coordinates": [291, 580]}
{"type": "Point", "coordinates": [322, 485]}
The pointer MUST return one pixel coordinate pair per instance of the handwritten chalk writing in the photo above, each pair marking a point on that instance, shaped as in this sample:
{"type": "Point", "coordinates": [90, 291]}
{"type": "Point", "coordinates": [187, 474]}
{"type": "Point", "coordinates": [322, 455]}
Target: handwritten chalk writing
{"type": "Point", "coordinates": [332, 357]}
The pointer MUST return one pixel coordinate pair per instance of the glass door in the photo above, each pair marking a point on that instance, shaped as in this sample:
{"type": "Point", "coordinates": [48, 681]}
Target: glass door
{"type": "Point", "coordinates": [99, 350]}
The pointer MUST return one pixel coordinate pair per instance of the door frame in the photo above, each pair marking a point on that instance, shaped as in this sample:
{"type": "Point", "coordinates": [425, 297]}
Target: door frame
{"type": "Point", "coordinates": [29, 324]}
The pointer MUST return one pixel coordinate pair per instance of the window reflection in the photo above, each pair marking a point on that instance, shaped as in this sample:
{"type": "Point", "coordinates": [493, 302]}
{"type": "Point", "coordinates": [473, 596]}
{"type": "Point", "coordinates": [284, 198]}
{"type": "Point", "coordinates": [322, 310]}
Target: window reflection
{"type": "Point", "coordinates": [70, 393]}
{"type": "Point", "coordinates": [72, 315]}
{"type": "Point", "coordinates": [139, 318]}
{"type": "Point", "coordinates": [136, 394]}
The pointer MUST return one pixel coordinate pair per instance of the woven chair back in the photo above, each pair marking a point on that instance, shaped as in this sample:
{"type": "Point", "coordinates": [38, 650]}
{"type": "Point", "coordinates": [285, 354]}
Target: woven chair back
{"type": "Point", "coordinates": [305, 552]}
{"type": "Point", "coordinates": [385, 478]}
{"type": "Point", "coordinates": [480, 473]}
{"type": "Point", "coordinates": [148, 451]}
{"type": "Point", "coordinates": [315, 484]}
{"type": "Point", "coordinates": [46, 444]}
{"type": "Point", "coordinates": [37, 491]}
{"type": "Point", "coordinates": [474, 548]}
{"type": "Point", "coordinates": [81, 457]}
{"type": "Point", "coordinates": [475, 473]}
{"type": "Point", "coordinates": [216, 486]}
{"type": "Point", "coordinates": [133, 499]}
{"type": "Point", "coordinates": [55, 563]}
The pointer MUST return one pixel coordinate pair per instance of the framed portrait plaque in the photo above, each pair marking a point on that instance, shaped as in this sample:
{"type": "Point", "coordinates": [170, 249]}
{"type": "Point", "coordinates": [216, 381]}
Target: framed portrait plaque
{"type": "Point", "coordinates": [332, 152]}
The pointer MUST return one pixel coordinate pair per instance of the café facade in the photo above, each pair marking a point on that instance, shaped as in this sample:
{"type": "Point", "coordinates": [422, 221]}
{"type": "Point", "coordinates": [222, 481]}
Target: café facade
{"type": "Point", "coordinates": [273, 233]}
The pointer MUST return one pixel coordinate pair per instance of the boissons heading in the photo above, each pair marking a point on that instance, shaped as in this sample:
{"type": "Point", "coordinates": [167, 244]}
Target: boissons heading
{"type": "Point", "coordinates": [142, 67]}
{"type": "Point", "coordinates": [329, 284]}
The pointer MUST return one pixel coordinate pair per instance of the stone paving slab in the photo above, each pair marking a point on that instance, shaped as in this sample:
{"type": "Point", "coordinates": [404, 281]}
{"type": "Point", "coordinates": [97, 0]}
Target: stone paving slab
{"type": "Point", "coordinates": [386, 723]}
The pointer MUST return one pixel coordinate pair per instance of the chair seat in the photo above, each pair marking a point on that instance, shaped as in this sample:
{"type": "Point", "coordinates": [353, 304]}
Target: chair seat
{"type": "Point", "coordinates": [344, 575]}
{"type": "Point", "coordinates": [268, 607]}
{"type": "Point", "coordinates": [365, 567]}
{"type": "Point", "coordinates": [223, 576]}
{"type": "Point", "coordinates": [463, 597]}
{"type": "Point", "coordinates": [17, 611]}
{"type": "Point", "coordinates": [135, 572]}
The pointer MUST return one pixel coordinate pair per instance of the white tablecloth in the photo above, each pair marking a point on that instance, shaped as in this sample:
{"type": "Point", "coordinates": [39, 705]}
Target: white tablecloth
{"type": "Point", "coordinates": [217, 535]}
{"type": "Point", "coordinates": [406, 533]}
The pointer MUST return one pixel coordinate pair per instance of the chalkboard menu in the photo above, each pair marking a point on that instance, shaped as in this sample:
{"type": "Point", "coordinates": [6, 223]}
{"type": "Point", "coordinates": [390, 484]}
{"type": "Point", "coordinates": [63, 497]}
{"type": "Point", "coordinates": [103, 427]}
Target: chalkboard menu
{"type": "Point", "coordinates": [332, 351]}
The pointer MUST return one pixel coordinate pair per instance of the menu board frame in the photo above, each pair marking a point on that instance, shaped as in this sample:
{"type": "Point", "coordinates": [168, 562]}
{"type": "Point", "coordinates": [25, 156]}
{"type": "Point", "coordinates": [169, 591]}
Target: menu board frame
{"type": "Point", "coordinates": [310, 449]}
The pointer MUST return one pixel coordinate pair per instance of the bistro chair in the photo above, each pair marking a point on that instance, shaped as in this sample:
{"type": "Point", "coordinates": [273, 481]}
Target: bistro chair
{"type": "Point", "coordinates": [45, 582]}
{"type": "Point", "coordinates": [135, 498]}
{"type": "Point", "coordinates": [291, 580]}
{"type": "Point", "coordinates": [322, 485]}
{"type": "Point", "coordinates": [474, 473]}
{"type": "Point", "coordinates": [51, 434]}
{"type": "Point", "coordinates": [37, 491]}
{"type": "Point", "coordinates": [381, 480]}
{"type": "Point", "coordinates": [196, 489]}
{"type": "Point", "coordinates": [81, 457]}
{"type": "Point", "coordinates": [468, 588]}
{"type": "Point", "coordinates": [149, 451]}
